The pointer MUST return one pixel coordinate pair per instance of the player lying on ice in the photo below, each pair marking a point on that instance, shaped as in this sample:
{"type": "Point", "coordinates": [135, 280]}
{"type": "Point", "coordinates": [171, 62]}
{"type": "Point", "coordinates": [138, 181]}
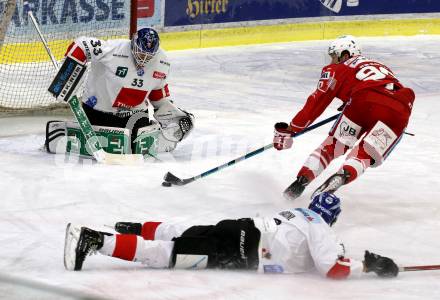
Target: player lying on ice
{"type": "Point", "coordinates": [375, 114]}
{"type": "Point", "coordinates": [293, 241]}
{"type": "Point", "coordinates": [124, 76]}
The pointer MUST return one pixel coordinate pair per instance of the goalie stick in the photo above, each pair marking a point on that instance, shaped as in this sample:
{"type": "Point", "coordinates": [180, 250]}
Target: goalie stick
{"type": "Point", "coordinates": [91, 138]}
{"type": "Point", "coordinates": [171, 179]}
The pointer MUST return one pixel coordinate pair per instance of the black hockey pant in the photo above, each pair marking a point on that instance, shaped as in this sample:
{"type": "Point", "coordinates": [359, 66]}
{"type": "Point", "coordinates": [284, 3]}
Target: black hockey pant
{"type": "Point", "coordinates": [230, 244]}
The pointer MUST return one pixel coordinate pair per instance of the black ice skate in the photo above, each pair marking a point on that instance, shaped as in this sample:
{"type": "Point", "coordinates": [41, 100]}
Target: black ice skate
{"type": "Point", "coordinates": [79, 242]}
{"type": "Point", "coordinates": [128, 228]}
{"type": "Point", "coordinates": [332, 184]}
{"type": "Point", "coordinates": [296, 188]}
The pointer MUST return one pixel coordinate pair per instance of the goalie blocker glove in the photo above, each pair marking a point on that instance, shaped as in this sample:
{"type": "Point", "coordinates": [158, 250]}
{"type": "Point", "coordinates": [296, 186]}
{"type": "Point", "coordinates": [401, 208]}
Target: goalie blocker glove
{"type": "Point", "coordinates": [382, 266]}
{"type": "Point", "coordinates": [67, 78]}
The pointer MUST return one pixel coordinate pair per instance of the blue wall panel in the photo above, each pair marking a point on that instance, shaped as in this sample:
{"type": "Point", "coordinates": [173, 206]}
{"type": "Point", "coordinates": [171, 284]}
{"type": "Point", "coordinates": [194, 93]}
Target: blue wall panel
{"type": "Point", "coordinates": [190, 12]}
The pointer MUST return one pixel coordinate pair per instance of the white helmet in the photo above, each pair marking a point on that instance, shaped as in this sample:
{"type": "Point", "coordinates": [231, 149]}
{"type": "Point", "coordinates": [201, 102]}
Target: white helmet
{"type": "Point", "coordinates": [344, 43]}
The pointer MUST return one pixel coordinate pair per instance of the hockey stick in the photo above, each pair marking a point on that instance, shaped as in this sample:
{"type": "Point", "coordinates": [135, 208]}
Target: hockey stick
{"type": "Point", "coordinates": [419, 268]}
{"type": "Point", "coordinates": [171, 179]}
{"type": "Point", "coordinates": [86, 128]}
{"type": "Point", "coordinates": [40, 34]}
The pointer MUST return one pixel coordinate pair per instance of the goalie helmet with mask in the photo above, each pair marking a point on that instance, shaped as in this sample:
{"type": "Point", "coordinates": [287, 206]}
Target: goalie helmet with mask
{"type": "Point", "coordinates": [144, 45]}
{"type": "Point", "coordinates": [343, 44]}
{"type": "Point", "coordinates": [328, 206]}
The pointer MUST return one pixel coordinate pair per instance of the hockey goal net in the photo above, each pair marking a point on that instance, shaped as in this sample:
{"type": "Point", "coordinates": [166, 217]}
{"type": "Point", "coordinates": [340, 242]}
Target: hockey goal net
{"type": "Point", "coordinates": [26, 70]}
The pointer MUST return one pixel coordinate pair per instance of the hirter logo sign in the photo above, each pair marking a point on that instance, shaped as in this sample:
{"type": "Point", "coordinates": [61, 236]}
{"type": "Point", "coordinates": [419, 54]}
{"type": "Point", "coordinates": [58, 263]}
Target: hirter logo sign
{"type": "Point", "coordinates": [145, 8]}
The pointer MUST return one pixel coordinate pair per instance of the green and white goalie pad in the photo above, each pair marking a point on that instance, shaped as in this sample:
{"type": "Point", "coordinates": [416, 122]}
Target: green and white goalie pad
{"type": "Point", "coordinates": [67, 137]}
{"type": "Point", "coordinates": [152, 138]}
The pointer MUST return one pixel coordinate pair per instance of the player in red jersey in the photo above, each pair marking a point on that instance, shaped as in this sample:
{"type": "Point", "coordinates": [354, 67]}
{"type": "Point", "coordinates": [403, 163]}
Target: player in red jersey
{"type": "Point", "coordinates": [375, 114]}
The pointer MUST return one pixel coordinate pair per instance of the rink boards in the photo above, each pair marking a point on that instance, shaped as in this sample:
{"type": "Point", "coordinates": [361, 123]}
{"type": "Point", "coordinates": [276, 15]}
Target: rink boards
{"type": "Point", "coordinates": [218, 37]}
{"type": "Point", "coordinates": [297, 32]}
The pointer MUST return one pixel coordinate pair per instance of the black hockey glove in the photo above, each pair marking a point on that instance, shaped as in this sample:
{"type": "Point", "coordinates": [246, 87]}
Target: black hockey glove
{"type": "Point", "coordinates": [382, 266]}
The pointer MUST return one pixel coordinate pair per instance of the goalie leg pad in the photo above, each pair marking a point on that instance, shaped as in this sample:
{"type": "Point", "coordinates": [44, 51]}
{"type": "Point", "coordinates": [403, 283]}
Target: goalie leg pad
{"type": "Point", "coordinates": [113, 140]}
{"type": "Point", "coordinates": [151, 140]}
{"type": "Point", "coordinates": [55, 137]}
{"type": "Point", "coordinates": [66, 137]}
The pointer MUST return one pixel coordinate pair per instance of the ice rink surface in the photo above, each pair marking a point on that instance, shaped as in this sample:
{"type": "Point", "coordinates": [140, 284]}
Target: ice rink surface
{"type": "Point", "coordinates": [236, 94]}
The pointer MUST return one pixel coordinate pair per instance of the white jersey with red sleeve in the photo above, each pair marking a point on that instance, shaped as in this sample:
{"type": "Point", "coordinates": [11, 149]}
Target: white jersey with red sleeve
{"type": "Point", "coordinates": [301, 241]}
{"type": "Point", "coordinates": [114, 84]}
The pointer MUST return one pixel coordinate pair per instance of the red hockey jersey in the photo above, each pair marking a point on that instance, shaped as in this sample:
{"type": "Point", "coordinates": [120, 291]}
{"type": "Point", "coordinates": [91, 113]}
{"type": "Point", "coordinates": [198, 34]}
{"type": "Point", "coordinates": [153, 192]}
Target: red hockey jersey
{"type": "Point", "coordinates": [342, 81]}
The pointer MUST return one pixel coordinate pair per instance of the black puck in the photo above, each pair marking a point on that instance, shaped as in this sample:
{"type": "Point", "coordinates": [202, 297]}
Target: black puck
{"type": "Point", "coordinates": [166, 183]}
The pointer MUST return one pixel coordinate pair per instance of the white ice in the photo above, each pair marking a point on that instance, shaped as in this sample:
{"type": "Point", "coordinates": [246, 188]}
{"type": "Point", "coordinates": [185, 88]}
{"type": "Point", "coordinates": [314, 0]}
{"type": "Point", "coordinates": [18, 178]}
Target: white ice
{"type": "Point", "coordinates": [237, 94]}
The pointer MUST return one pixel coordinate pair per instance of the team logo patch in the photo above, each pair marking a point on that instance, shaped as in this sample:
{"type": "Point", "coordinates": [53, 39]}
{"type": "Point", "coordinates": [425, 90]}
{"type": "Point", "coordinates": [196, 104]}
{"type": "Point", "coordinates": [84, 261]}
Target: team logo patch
{"type": "Point", "coordinates": [380, 141]}
{"type": "Point", "coordinates": [140, 72]}
{"type": "Point", "coordinates": [346, 131]}
{"type": "Point", "coordinates": [273, 269]}
{"type": "Point", "coordinates": [121, 71]}
{"type": "Point", "coordinates": [287, 214]}
{"type": "Point", "coordinates": [327, 81]}
{"type": "Point", "coordinates": [159, 75]}
{"type": "Point", "coordinates": [266, 254]}
{"type": "Point", "coordinates": [120, 55]}
{"type": "Point", "coordinates": [382, 137]}
{"type": "Point", "coordinates": [325, 75]}
{"type": "Point", "coordinates": [309, 215]}
{"type": "Point", "coordinates": [91, 101]}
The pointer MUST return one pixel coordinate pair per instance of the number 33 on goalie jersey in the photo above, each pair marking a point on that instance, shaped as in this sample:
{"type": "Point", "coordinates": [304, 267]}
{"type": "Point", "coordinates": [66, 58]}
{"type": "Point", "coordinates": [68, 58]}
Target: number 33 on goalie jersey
{"type": "Point", "coordinates": [113, 83]}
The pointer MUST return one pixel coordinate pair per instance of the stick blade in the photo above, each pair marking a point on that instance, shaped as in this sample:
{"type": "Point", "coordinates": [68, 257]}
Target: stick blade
{"type": "Point", "coordinates": [173, 179]}
{"type": "Point", "coordinates": [123, 159]}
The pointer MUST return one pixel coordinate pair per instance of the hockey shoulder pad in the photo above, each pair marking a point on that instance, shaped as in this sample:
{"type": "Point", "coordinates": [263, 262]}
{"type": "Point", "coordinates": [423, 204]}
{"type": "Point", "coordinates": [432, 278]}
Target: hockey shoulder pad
{"type": "Point", "coordinates": [67, 79]}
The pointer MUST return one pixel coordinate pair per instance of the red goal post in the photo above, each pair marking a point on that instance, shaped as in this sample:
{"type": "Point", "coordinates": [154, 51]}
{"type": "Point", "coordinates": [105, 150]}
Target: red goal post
{"type": "Point", "coordinates": [25, 68]}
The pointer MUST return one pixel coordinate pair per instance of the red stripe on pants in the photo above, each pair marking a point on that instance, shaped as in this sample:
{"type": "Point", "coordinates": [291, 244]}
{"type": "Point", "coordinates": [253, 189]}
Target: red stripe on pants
{"type": "Point", "coordinates": [149, 230]}
{"type": "Point", "coordinates": [125, 247]}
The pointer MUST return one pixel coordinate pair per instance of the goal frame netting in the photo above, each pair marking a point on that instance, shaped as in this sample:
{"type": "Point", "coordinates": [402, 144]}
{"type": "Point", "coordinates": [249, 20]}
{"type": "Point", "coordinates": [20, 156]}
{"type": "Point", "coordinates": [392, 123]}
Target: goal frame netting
{"type": "Point", "coordinates": [25, 67]}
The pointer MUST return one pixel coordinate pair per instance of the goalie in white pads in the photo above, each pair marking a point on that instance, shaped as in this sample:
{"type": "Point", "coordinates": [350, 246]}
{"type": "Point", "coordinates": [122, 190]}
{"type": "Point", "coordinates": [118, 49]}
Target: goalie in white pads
{"type": "Point", "coordinates": [293, 241]}
{"type": "Point", "coordinates": [124, 76]}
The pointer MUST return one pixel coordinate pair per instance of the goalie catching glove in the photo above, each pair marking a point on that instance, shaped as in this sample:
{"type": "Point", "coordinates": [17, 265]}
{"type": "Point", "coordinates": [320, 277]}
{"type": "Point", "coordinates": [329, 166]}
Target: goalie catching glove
{"type": "Point", "coordinates": [176, 124]}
